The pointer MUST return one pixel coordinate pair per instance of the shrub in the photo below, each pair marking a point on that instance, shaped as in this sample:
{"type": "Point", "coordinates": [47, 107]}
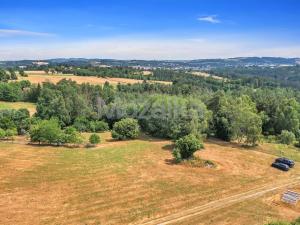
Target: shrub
{"type": "Point", "coordinates": [271, 138]}
{"type": "Point", "coordinates": [47, 131]}
{"type": "Point", "coordinates": [286, 137]}
{"type": "Point", "coordinates": [2, 134]}
{"type": "Point", "coordinates": [177, 155]}
{"type": "Point", "coordinates": [279, 223]}
{"type": "Point", "coordinates": [72, 136]}
{"type": "Point", "coordinates": [126, 129]}
{"type": "Point", "coordinates": [94, 139]}
{"type": "Point", "coordinates": [82, 124]}
{"type": "Point", "coordinates": [187, 146]}
{"type": "Point", "coordinates": [296, 222]}
{"type": "Point", "coordinates": [23, 74]}
{"type": "Point", "coordinates": [10, 133]}
{"type": "Point", "coordinates": [98, 126]}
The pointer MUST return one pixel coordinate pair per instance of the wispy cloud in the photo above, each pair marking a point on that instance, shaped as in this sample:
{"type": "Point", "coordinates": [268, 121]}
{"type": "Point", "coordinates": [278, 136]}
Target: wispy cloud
{"type": "Point", "coordinates": [210, 19]}
{"type": "Point", "coordinates": [14, 32]}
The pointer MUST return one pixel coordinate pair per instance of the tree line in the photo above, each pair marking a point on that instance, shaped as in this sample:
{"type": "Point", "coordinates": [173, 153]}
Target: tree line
{"type": "Point", "coordinates": [190, 106]}
{"type": "Point", "coordinates": [286, 76]}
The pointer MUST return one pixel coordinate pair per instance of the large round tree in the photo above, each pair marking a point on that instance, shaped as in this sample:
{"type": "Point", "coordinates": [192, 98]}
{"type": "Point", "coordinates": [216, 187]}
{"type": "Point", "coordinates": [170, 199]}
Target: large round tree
{"type": "Point", "coordinates": [186, 146]}
{"type": "Point", "coordinates": [126, 129]}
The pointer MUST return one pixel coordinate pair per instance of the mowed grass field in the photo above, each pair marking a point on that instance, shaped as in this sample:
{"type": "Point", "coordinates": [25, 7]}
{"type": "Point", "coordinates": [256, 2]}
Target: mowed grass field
{"type": "Point", "coordinates": [40, 77]}
{"type": "Point", "coordinates": [18, 105]}
{"type": "Point", "coordinates": [130, 182]}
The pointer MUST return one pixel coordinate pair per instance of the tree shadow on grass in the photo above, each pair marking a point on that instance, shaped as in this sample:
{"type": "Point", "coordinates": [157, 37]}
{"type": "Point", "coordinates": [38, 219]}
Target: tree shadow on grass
{"type": "Point", "coordinates": [148, 137]}
{"type": "Point", "coordinates": [111, 140]}
{"type": "Point", "coordinates": [142, 137]}
{"type": "Point", "coordinates": [171, 162]}
{"type": "Point", "coordinates": [230, 144]}
{"type": "Point", "coordinates": [169, 147]}
{"type": "Point", "coordinates": [53, 145]}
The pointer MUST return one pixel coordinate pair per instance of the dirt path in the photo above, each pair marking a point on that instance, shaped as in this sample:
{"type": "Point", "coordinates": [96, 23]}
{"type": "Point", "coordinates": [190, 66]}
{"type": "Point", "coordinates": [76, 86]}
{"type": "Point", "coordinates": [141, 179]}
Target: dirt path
{"type": "Point", "coordinates": [218, 204]}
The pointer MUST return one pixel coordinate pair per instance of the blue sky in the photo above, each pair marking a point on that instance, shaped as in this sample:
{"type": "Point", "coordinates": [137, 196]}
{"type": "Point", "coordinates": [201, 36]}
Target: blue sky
{"type": "Point", "coordinates": [153, 29]}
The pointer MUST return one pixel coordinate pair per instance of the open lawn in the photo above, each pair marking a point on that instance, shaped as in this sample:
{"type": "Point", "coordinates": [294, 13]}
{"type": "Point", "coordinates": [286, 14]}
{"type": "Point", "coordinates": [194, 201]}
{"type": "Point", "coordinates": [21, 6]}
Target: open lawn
{"type": "Point", "coordinates": [281, 150]}
{"type": "Point", "coordinates": [36, 78]}
{"type": "Point", "coordinates": [18, 105]}
{"type": "Point", "coordinates": [133, 182]}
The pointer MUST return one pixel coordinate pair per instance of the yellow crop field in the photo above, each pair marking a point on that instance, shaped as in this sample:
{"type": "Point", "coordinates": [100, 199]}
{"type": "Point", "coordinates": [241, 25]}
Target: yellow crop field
{"type": "Point", "coordinates": [40, 78]}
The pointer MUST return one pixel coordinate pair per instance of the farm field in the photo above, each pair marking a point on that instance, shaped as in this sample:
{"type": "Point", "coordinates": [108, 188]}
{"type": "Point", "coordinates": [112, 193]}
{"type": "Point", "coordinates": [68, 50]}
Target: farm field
{"type": "Point", "coordinates": [132, 182]}
{"type": "Point", "coordinates": [203, 74]}
{"type": "Point", "coordinates": [18, 105]}
{"type": "Point", "coordinates": [36, 78]}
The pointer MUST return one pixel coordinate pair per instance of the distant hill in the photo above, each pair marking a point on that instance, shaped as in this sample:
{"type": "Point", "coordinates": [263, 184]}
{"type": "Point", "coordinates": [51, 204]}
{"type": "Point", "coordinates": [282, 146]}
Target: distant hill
{"type": "Point", "coordinates": [203, 64]}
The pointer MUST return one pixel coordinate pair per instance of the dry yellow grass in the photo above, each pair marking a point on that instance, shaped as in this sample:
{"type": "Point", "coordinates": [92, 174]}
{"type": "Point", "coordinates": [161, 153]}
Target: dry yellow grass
{"type": "Point", "coordinates": [203, 74]}
{"type": "Point", "coordinates": [126, 182]}
{"type": "Point", "coordinates": [38, 72]}
{"type": "Point", "coordinates": [255, 212]}
{"type": "Point", "coordinates": [147, 73]}
{"type": "Point", "coordinates": [18, 105]}
{"type": "Point", "coordinates": [40, 78]}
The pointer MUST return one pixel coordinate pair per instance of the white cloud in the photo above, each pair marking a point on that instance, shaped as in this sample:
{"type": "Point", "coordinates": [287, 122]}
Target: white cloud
{"type": "Point", "coordinates": [11, 33]}
{"type": "Point", "coordinates": [210, 19]}
{"type": "Point", "coordinates": [135, 48]}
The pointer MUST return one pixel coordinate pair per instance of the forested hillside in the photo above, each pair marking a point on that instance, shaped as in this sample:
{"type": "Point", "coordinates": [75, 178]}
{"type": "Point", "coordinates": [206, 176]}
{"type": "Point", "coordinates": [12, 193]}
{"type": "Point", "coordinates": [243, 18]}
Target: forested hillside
{"type": "Point", "coordinates": [287, 76]}
{"type": "Point", "coordinates": [171, 64]}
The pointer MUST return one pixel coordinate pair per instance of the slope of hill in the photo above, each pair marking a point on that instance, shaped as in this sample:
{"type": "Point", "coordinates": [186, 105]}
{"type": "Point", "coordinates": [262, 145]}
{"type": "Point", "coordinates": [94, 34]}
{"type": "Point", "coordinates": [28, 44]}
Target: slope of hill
{"type": "Point", "coordinates": [185, 64]}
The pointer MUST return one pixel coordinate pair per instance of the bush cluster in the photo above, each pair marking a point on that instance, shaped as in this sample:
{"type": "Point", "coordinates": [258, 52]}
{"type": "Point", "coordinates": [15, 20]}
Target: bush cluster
{"type": "Point", "coordinates": [126, 129]}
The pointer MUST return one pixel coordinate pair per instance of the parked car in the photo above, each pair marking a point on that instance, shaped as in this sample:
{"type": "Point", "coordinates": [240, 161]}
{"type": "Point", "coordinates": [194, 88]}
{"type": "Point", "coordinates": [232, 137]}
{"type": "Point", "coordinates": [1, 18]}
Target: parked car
{"type": "Point", "coordinates": [281, 166]}
{"type": "Point", "coordinates": [286, 161]}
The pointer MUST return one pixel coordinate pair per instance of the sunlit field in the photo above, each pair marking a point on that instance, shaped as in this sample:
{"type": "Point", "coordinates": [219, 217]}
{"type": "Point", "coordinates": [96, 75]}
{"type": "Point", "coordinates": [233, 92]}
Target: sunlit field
{"type": "Point", "coordinates": [121, 182]}
{"type": "Point", "coordinates": [41, 77]}
{"type": "Point", "coordinates": [18, 105]}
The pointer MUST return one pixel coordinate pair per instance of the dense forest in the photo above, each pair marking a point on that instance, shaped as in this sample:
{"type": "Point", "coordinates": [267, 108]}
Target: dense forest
{"type": "Point", "coordinates": [287, 76]}
{"type": "Point", "coordinates": [234, 110]}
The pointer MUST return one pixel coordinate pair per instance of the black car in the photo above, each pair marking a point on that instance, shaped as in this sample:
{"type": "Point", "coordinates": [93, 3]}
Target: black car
{"type": "Point", "coordinates": [281, 166]}
{"type": "Point", "coordinates": [286, 161]}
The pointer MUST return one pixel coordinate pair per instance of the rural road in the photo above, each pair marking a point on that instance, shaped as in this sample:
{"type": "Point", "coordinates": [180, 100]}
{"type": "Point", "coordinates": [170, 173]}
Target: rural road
{"type": "Point", "coordinates": [221, 203]}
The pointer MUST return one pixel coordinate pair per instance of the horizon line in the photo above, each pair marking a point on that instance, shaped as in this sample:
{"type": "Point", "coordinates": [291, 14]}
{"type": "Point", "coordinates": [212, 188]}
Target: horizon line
{"type": "Point", "coordinates": [134, 59]}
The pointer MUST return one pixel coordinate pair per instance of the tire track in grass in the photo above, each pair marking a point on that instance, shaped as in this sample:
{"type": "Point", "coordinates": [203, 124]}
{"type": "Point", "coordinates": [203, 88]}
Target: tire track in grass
{"type": "Point", "coordinates": [218, 204]}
